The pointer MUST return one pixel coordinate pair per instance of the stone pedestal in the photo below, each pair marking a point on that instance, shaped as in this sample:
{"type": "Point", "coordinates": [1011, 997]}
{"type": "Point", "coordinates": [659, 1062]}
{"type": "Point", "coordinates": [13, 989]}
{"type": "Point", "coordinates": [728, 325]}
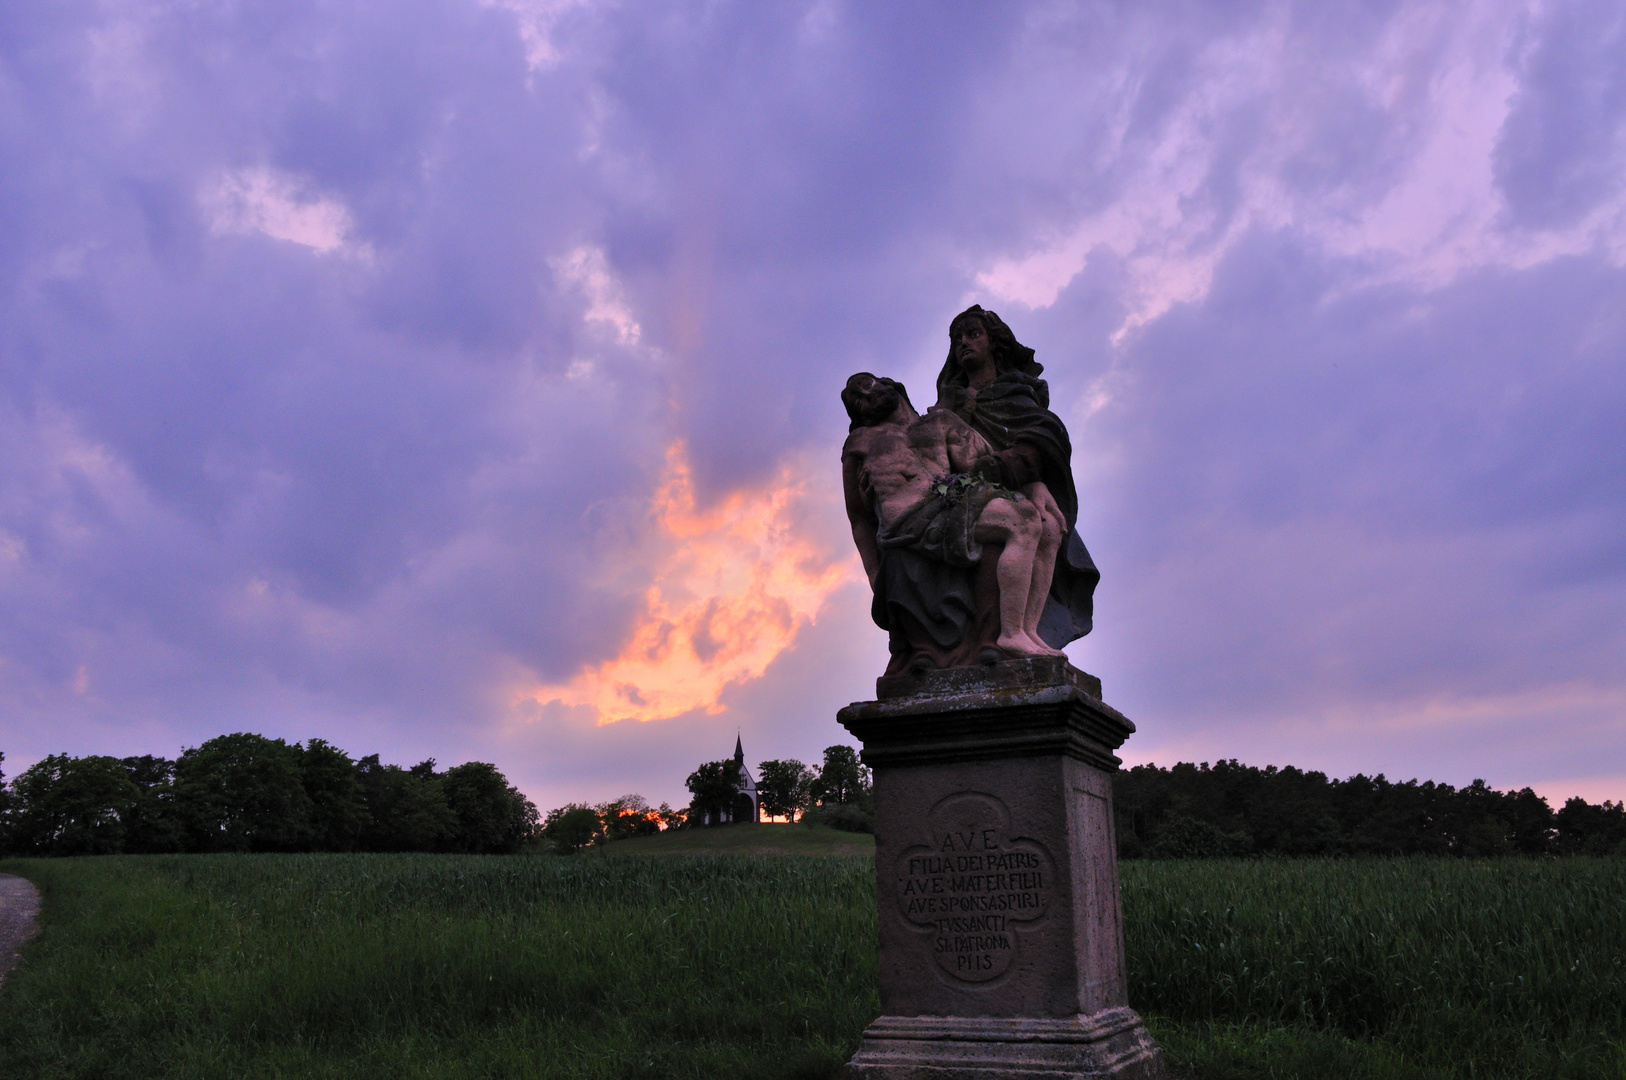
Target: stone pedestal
{"type": "Point", "coordinates": [1001, 947]}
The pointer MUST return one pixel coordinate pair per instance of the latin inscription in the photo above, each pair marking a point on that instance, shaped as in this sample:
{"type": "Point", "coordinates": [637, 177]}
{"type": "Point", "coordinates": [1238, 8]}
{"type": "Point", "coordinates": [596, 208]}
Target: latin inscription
{"type": "Point", "coordinates": [974, 885]}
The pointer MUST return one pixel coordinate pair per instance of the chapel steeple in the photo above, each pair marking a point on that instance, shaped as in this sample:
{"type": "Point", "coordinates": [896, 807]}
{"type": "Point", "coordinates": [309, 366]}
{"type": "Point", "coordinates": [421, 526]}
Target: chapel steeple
{"type": "Point", "coordinates": [747, 805]}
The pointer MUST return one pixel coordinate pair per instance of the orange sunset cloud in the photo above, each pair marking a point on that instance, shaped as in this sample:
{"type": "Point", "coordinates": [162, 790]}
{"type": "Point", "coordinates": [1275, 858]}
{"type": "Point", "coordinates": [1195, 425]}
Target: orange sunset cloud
{"type": "Point", "coordinates": [737, 583]}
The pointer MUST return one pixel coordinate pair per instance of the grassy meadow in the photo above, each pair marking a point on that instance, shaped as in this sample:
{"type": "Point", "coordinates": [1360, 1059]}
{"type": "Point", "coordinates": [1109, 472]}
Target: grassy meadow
{"type": "Point", "coordinates": [644, 963]}
{"type": "Point", "coordinates": [1414, 968]}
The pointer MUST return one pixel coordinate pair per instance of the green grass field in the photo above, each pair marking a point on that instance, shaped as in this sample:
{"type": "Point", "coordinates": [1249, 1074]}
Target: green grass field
{"type": "Point", "coordinates": [623, 964]}
{"type": "Point", "coordinates": [1426, 968]}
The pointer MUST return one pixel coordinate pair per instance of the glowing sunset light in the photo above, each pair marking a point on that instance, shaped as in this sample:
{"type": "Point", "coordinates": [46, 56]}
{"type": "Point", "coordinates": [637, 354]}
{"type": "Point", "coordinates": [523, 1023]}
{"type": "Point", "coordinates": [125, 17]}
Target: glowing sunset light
{"type": "Point", "coordinates": [738, 582]}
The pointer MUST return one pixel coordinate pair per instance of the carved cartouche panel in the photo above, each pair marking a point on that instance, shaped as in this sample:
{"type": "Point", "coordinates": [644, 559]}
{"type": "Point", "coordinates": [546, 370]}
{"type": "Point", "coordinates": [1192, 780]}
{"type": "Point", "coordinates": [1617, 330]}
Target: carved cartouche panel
{"type": "Point", "coordinates": [974, 885]}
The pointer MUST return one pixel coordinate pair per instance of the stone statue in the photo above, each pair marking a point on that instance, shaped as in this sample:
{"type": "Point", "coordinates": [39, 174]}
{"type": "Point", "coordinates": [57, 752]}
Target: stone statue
{"type": "Point", "coordinates": [998, 920]}
{"type": "Point", "coordinates": [931, 497]}
{"type": "Point", "coordinates": [911, 485]}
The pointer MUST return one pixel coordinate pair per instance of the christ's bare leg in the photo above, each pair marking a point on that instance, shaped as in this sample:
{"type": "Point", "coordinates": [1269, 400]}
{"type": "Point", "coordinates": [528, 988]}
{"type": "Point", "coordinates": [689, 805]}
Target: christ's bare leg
{"type": "Point", "coordinates": [1019, 527]}
{"type": "Point", "coordinates": [1053, 528]}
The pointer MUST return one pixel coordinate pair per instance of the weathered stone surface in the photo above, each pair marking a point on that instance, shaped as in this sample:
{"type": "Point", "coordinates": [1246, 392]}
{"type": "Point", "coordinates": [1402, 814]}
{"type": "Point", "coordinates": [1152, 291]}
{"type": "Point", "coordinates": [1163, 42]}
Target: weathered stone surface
{"type": "Point", "coordinates": [964, 517]}
{"type": "Point", "coordinates": [1001, 948]}
{"type": "Point", "coordinates": [1111, 1043]}
{"type": "Point", "coordinates": [1024, 674]}
{"type": "Point", "coordinates": [983, 713]}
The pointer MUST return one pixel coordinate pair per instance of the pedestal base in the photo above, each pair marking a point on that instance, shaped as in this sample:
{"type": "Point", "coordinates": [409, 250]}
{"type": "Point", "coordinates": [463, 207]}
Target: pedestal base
{"type": "Point", "coordinates": [1112, 1043]}
{"type": "Point", "coordinates": [1001, 949]}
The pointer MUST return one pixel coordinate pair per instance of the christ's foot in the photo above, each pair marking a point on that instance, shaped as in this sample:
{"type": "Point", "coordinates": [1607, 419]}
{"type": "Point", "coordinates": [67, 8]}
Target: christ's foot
{"type": "Point", "coordinates": [1022, 645]}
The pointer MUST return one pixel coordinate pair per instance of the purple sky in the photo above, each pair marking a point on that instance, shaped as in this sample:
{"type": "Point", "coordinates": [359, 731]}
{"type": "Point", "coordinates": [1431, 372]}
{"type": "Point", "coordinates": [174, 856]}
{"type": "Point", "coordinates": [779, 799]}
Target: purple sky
{"type": "Point", "coordinates": [453, 378]}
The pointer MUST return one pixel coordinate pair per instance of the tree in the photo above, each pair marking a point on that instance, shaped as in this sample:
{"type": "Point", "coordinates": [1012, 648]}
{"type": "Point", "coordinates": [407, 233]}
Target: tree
{"type": "Point", "coordinates": [338, 804]}
{"type": "Point", "coordinates": [784, 787]}
{"type": "Point", "coordinates": [1476, 823]}
{"type": "Point", "coordinates": [714, 786]}
{"type": "Point", "coordinates": [492, 817]}
{"type": "Point", "coordinates": [843, 779]}
{"type": "Point", "coordinates": [629, 816]}
{"type": "Point", "coordinates": [1531, 822]}
{"type": "Point", "coordinates": [72, 806]}
{"type": "Point", "coordinates": [243, 792]}
{"type": "Point", "coordinates": [1584, 829]}
{"type": "Point", "coordinates": [670, 818]}
{"type": "Point", "coordinates": [406, 809]}
{"type": "Point", "coordinates": [153, 826]}
{"type": "Point", "coordinates": [572, 827]}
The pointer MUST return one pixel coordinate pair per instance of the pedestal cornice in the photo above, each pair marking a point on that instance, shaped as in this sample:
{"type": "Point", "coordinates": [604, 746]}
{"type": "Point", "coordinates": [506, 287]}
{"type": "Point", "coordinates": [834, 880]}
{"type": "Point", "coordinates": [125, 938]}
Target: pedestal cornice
{"type": "Point", "coordinates": [980, 714]}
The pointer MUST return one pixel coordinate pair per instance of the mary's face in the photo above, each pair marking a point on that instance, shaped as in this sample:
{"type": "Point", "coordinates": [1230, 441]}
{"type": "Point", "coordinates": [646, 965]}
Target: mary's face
{"type": "Point", "coordinates": [975, 353]}
{"type": "Point", "coordinates": [971, 346]}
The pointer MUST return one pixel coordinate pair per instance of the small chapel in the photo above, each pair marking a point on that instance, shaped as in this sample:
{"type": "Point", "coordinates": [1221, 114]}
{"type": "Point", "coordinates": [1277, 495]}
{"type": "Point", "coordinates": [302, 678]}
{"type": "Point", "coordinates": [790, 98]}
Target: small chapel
{"type": "Point", "coordinates": [746, 806]}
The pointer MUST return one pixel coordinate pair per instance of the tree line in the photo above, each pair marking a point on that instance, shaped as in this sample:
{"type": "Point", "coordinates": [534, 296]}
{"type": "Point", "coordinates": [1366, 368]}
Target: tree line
{"type": "Point", "coordinates": [1231, 809]}
{"type": "Point", "coordinates": [837, 794]}
{"type": "Point", "coordinates": [574, 826]}
{"type": "Point", "coordinates": [245, 792]}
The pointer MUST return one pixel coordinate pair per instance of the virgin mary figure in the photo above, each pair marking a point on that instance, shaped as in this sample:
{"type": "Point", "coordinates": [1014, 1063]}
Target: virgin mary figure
{"type": "Point", "coordinates": [992, 381]}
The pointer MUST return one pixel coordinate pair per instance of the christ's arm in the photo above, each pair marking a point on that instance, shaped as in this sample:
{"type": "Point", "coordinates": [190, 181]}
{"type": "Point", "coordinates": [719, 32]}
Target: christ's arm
{"type": "Point", "coordinates": [860, 512]}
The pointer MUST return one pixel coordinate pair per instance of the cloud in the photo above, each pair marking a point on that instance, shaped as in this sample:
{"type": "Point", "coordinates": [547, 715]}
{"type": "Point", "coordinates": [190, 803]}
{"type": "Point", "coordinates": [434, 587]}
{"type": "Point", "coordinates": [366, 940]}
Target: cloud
{"type": "Point", "coordinates": [1436, 85]}
{"type": "Point", "coordinates": [729, 591]}
{"type": "Point", "coordinates": [278, 205]}
{"type": "Point", "coordinates": [585, 268]}
{"type": "Point", "coordinates": [537, 21]}
{"type": "Point", "coordinates": [1381, 506]}
{"type": "Point", "coordinates": [342, 349]}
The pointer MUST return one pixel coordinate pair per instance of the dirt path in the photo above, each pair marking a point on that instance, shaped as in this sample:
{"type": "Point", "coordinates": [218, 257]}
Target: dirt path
{"type": "Point", "coordinates": [19, 903]}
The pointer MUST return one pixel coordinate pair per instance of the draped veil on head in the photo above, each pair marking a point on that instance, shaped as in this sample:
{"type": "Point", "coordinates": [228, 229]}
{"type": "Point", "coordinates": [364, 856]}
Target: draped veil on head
{"type": "Point", "coordinates": [1015, 410]}
{"type": "Point", "coordinates": [1009, 354]}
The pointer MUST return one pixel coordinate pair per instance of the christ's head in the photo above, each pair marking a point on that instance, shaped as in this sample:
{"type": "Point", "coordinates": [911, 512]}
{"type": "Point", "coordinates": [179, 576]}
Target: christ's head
{"type": "Point", "coordinates": [872, 399]}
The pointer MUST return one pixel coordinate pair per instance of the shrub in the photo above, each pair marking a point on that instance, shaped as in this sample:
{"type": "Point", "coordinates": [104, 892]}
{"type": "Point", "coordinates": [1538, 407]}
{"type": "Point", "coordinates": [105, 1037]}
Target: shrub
{"type": "Point", "coordinates": [1183, 837]}
{"type": "Point", "coordinates": [848, 817]}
